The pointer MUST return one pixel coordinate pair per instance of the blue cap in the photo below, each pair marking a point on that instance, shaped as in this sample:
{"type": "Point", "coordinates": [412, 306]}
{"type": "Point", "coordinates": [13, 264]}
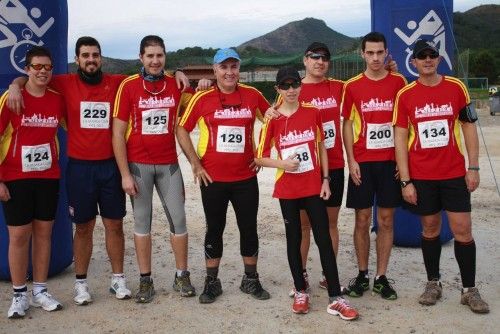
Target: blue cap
{"type": "Point", "coordinates": [224, 54]}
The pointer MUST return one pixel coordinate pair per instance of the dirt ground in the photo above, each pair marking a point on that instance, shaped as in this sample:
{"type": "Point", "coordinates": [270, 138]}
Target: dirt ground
{"type": "Point", "coordinates": [236, 312]}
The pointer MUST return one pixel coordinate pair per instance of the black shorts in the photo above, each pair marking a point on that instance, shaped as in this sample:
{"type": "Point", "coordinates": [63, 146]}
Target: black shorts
{"type": "Point", "coordinates": [31, 199]}
{"type": "Point", "coordinates": [377, 180]}
{"type": "Point", "coordinates": [436, 195]}
{"type": "Point", "coordinates": [94, 187]}
{"type": "Point", "coordinates": [336, 187]}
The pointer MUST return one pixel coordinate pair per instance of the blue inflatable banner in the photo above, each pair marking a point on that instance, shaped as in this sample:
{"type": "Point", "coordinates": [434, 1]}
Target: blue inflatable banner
{"type": "Point", "coordinates": [24, 23]}
{"type": "Point", "coordinates": [403, 22]}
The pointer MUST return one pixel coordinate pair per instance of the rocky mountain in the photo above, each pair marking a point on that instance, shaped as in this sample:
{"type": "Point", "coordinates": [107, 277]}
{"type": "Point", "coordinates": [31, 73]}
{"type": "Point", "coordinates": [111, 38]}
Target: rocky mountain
{"type": "Point", "coordinates": [478, 28]}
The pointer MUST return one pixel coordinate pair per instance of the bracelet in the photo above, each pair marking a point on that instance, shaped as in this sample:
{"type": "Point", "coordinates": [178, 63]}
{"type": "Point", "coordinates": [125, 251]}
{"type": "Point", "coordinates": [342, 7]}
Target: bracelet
{"type": "Point", "coordinates": [473, 168]}
{"type": "Point", "coordinates": [326, 178]}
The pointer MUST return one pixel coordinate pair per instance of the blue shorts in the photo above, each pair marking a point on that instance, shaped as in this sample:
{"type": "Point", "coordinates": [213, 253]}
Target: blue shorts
{"type": "Point", "coordinates": [94, 187]}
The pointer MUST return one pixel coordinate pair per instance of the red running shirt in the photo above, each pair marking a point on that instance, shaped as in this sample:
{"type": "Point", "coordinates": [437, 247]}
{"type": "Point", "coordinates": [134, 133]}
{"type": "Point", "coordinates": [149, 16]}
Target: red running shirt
{"type": "Point", "coordinates": [369, 105]}
{"type": "Point", "coordinates": [28, 145]}
{"type": "Point", "coordinates": [299, 134]}
{"type": "Point", "coordinates": [89, 109]}
{"type": "Point", "coordinates": [326, 96]}
{"type": "Point", "coordinates": [226, 123]}
{"type": "Point", "coordinates": [431, 116]}
{"type": "Point", "coordinates": [151, 118]}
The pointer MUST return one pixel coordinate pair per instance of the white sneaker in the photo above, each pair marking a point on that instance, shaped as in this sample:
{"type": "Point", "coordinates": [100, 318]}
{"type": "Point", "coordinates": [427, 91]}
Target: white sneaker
{"type": "Point", "coordinates": [46, 301]}
{"type": "Point", "coordinates": [82, 295]}
{"type": "Point", "coordinates": [119, 288]}
{"type": "Point", "coordinates": [20, 304]}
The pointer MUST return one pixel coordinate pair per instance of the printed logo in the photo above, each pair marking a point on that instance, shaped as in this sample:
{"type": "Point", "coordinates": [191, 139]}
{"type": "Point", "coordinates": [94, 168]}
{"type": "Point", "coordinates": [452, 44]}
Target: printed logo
{"type": "Point", "coordinates": [39, 121]}
{"type": "Point", "coordinates": [295, 137]}
{"type": "Point", "coordinates": [431, 110]}
{"type": "Point", "coordinates": [232, 112]}
{"type": "Point", "coordinates": [322, 103]}
{"type": "Point", "coordinates": [376, 105]}
{"type": "Point", "coordinates": [154, 102]}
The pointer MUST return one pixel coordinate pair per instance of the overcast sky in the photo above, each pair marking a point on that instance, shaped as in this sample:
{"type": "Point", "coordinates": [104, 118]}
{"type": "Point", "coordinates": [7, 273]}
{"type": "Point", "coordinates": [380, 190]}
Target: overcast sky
{"type": "Point", "coordinates": [119, 25]}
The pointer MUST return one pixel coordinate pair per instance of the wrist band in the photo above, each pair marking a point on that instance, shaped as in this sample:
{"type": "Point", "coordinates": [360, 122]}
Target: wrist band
{"type": "Point", "coordinates": [473, 168]}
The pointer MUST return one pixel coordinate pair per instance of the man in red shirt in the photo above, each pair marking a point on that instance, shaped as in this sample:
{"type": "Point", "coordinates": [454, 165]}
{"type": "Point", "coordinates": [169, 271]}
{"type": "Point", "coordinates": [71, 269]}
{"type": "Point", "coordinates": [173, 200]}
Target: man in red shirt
{"type": "Point", "coordinates": [367, 107]}
{"type": "Point", "coordinates": [93, 179]}
{"type": "Point", "coordinates": [428, 115]}
{"type": "Point", "coordinates": [224, 166]}
{"type": "Point", "coordinates": [29, 181]}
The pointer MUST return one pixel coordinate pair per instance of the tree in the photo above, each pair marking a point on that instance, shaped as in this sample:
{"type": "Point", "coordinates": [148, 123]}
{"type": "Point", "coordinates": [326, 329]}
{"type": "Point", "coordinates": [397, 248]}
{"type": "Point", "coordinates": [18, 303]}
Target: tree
{"type": "Point", "coordinates": [482, 64]}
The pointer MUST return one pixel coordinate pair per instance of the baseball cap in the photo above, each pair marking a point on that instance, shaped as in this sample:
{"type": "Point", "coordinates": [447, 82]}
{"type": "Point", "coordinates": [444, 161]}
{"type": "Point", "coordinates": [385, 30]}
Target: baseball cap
{"type": "Point", "coordinates": [287, 73]}
{"type": "Point", "coordinates": [315, 46]}
{"type": "Point", "coordinates": [224, 54]}
{"type": "Point", "coordinates": [422, 45]}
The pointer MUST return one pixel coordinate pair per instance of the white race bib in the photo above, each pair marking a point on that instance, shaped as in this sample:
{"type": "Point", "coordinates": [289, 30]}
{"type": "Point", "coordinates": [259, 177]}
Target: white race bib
{"type": "Point", "coordinates": [303, 155]}
{"type": "Point", "coordinates": [230, 139]}
{"type": "Point", "coordinates": [36, 158]}
{"type": "Point", "coordinates": [379, 136]}
{"type": "Point", "coordinates": [94, 115]}
{"type": "Point", "coordinates": [155, 121]}
{"type": "Point", "coordinates": [329, 131]}
{"type": "Point", "coordinates": [434, 133]}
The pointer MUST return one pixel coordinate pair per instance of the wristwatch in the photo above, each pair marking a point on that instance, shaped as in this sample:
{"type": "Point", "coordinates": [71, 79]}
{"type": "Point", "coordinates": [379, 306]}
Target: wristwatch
{"type": "Point", "coordinates": [328, 178]}
{"type": "Point", "coordinates": [405, 183]}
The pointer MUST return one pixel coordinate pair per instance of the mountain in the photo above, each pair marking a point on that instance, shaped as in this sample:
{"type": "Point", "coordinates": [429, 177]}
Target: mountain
{"type": "Point", "coordinates": [478, 28]}
{"type": "Point", "coordinates": [295, 36]}
{"type": "Point", "coordinates": [113, 65]}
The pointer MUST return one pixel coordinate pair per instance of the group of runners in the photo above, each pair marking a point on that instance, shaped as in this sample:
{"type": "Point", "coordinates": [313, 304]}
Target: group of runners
{"type": "Point", "coordinates": [400, 141]}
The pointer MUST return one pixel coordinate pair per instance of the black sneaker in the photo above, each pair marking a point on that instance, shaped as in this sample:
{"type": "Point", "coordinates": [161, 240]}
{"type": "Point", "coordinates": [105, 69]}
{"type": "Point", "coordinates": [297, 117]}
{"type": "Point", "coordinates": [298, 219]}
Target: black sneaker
{"type": "Point", "coordinates": [146, 290]}
{"type": "Point", "coordinates": [358, 285]}
{"type": "Point", "coordinates": [212, 290]}
{"type": "Point", "coordinates": [183, 285]}
{"type": "Point", "coordinates": [252, 286]}
{"type": "Point", "coordinates": [383, 287]}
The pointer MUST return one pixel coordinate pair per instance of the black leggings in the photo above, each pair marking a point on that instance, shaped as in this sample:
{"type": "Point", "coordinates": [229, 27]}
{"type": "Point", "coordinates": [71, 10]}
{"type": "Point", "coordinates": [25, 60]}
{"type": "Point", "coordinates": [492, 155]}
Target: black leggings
{"type": "Point", "coordinates": [318, 216]}
{"type": "Point", "coordinates": [244, 196]}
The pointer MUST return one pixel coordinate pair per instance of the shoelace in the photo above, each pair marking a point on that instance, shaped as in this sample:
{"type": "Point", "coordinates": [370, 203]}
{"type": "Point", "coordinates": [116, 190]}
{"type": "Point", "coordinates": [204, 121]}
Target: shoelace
{"type": "Point", "coordinates": [387, 283]}
{"type": "Point", "coordinates": [341, 305]}
{"type": "Point", "coordinates": [301, 298]}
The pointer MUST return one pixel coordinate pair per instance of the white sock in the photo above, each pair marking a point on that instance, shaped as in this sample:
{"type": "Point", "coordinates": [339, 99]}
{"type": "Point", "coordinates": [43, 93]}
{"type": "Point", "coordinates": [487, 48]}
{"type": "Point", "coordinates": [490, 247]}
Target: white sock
{"type": "Point", "coordinates": [179, 272]}
{"type": "Point", "coordinates": [39, 287]}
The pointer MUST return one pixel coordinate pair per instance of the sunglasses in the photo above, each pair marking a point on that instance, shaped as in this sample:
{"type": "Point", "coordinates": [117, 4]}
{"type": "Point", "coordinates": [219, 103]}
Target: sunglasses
{"type": "Point", "coordinates": [38, 67]}
{"type": "Point", "coordinates": [423, 56]}
{"type": "Point", "coordinates": [317, 56]}
{"type": "Point", "coordinates": [287, 85]}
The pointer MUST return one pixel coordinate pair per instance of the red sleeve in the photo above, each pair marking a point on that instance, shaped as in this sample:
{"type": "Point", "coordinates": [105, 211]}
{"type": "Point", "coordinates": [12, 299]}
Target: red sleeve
{"type": "Point", "coordinates": [400, 113]}
{"type": "Point", "coordinates": [5, 113]}
{"type": "Point", "coordinates": [58, 82]}
{"type": "Point", "coordinates": [266, 140]}
{"type": "Point", "coordinates": [346, 102]}
{"type": "Point", "coordinates": [319, 125]}
{"type": "Point", "coordinates": [122, 103]}
{"type": "Point", "coordinates": [191, 114]}
{"type": "Point", "coordinates": [263, 106]}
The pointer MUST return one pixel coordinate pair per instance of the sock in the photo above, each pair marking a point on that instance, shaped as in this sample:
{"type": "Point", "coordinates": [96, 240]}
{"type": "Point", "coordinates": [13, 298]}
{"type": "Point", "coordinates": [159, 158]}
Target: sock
{"type": "Point", "coordinates": [39, 287]}
{"type": "Point", "coordinates": [146, 274]}
{"type": "Point", "coordinates": [431, 251]}
{"type": "Point", "coordinates": [20, 289]}
{"type": "Point", "coordinates": [363, 273]}
{"type": "Point", "coordinates": [119, 275]}
{"type": "Point", "coordinates": [465, 253]}
{"type": "Point", "coordinates": [179, 272]}
{"type": "Point", "coordinates": [213, 272]}
{"type": "Point", "coordinates": [250, 270]}
{"type": "Point", "coordinates": [81, 277]}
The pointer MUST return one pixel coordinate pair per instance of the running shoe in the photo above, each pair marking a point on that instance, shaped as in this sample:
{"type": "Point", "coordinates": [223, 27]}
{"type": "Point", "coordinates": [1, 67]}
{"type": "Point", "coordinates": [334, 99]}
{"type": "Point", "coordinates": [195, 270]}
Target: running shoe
{"type": "Point", "coordinates": [146, 290]}
{"type": "Point", "coordinates": [432, 293]}
{"type": "Point", "coordinates": [291, 294]}
{"type": "Point", "coordinates": [211, 290]}
{"type": "Point", "coordinates": [183, 285]}
{"type": "Point", "coordinates": [20, 304]}
{"type": "Point", "coordinates": [474, 300]}
{"type": "Point", "coordinates": [300, 302]}
{"type": "Point", "coordinates": [82, 295]}
{"type": "Point", "coordinates": [383, 287]}
{"type": "Point", "coordinates": [341, 307]}
{"type": "Point", "coordinates": [252, 286]}
{"type": "Point", "coordinates": [358, 285]}
{"type": "Point", "coordinates": [45, 300]}
{"type": "Point", "coordinates": [119, 288]}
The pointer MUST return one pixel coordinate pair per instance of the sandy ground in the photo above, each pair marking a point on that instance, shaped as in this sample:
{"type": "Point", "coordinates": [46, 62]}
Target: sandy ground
{"type": "Point", "coordinates": [237, 312]}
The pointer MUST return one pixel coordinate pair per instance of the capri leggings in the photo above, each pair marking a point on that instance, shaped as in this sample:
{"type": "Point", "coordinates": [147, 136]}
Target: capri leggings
{"type": "Point", "coordinates": [170, 187]}
{"type": "Point", "coordinates": [318, 216]}
{"type": "Point", "coordinates": [244, 196]}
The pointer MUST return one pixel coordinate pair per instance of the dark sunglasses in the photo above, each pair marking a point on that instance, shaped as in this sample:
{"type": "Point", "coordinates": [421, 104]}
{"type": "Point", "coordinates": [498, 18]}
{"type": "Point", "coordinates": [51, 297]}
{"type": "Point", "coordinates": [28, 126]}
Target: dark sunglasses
{"type": "Point", "coordinates": [287, 85]}
{"type": "Point", "coordinates": [38, 67]}
{"type": "Point", "coordinates": [317, 56]}
{"type": "Point", "coordinates": [423, 56]}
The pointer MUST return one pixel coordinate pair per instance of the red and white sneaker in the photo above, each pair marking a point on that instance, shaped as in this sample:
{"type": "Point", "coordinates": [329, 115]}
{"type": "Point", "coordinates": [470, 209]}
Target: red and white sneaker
{"type": "Point", "coordinates": [341, 307]}
{"type": "Point", "coordinates": [291, 294]}
{"type": "Point", "coordinates": [300, 302]}
{"type": "Point", "coordinates": [323, 283]}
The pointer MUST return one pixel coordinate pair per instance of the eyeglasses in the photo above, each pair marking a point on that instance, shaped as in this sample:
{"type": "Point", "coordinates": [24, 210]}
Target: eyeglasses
{"type": "Point", "coordinates": [38, 67]}
{"type": "Point", "coordinates": [287, 85]}
{"type": "Point", "coordinates": [423, 56]}
{"type": "Point", "coordinates": [317, 56]}
{"type": "Point", "coordinates": [229, 106]}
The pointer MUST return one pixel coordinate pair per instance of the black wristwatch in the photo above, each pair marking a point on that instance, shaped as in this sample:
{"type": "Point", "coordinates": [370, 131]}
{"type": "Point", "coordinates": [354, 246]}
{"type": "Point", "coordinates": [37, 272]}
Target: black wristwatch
{"type": "Point", "coordinates": [405, 183]}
